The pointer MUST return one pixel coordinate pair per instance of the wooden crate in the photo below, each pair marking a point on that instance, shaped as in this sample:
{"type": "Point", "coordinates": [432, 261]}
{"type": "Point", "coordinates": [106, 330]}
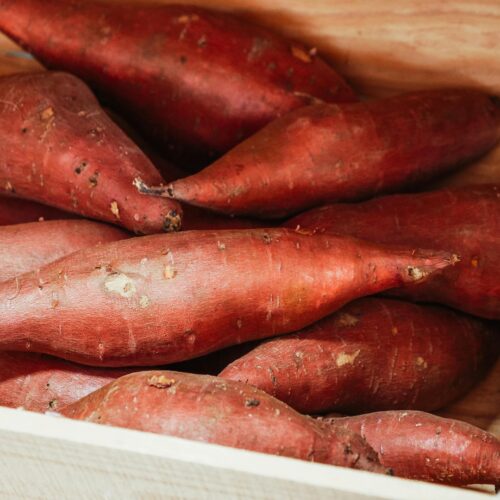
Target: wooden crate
{"type": "Point", "coordinates": [383, 47]}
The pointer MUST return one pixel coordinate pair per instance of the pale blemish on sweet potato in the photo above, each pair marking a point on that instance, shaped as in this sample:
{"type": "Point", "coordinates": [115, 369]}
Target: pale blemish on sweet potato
{"type": "Point", "coordinates": [120, 284]}
{"type": "Point", "coordinates": [346, 359]}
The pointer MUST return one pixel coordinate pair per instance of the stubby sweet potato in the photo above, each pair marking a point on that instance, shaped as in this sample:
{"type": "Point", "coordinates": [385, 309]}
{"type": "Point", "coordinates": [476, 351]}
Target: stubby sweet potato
{"type": "Point", "coordinates": [167, 298]}
{"type": "Point", "coordinates": [26, 247]}
{"type": "Point", "coordinates": [190, 77]}
{"type": "Point", "coordinates": [419, 445]}
{"type": "Point", "coordinates": [373, 354]}
{"type": "Point", "coordinates": [206, 408]}
{"type": "Point", "coordinates": [36, 382]}
{"type": "Point", "coordinates": [60, 148]}
{"type": "Point", "coordinates": [325, 153]}
{"type": "Point", "coordinates": [464, 220]}
{"type": "Point", "coordinates": [16, 211]}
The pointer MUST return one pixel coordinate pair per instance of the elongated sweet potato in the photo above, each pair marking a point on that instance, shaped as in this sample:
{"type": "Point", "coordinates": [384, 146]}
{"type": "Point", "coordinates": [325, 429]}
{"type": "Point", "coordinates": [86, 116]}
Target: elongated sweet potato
{"type": "Point", "coordinates": [167, 298]}
{"type": "Point", "coordinates": [16, 211]}
{"type": "Point", "coordinates": [189, 77]}
{"type": "Point", "coordinates": [419, 445]}
{"type": "Point", "coordinates": [205, 408]}
{"type": "Point", "coordinates": [36, 382]}
{"type": "Point", "coordinates": [59, 147]}
{"type": "Point", "coordinates": [373, 354]}
{"type": "Point", "coordinates": [325, 153]}
{"type": "Point", "coordinates": [26, 247]}
{"type": "Point", "coordinates": [464, 220]}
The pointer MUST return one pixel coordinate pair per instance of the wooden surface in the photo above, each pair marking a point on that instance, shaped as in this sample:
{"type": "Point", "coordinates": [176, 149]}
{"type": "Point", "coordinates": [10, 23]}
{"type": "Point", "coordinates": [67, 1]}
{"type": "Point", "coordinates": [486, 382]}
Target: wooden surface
{"type": "Point", "coordinates": [481, 406]}
{"type": "Point", "coordinates": [394, 47]}
{"type": "Point", "coordinates": [51, 457]}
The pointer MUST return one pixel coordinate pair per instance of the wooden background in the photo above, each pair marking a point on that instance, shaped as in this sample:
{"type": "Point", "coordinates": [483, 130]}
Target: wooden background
{"type": "Point", "coordinates": [386, 47]}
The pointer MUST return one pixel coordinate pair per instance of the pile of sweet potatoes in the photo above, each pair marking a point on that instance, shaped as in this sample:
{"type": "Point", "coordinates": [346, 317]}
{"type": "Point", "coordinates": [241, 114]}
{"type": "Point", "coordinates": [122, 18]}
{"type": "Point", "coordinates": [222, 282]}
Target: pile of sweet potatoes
{"type": "Point", "coordinates": [270, 328]}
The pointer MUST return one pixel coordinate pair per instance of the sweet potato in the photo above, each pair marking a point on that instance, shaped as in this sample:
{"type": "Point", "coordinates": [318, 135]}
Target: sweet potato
{"type": "Point", "coordinates": [419, 445]}
{"type": "Point", "coordinates": [325, 153]}
{"type": "Point", "coordinates": [373, 354]}
{"type": "Point", "coordinates": [206, 408]}
{"type": "Point", "coordinates": [464, 220]}
{"type": "Point", "coordinates": [36, 382]}
{"type": "Point", "coordinates": [195, 217]}
{"type": "Point", "coordinates": [167, 298]}
{"type": "Point", "coordinates": [60, 148]}
{"type": "Point", "coordinates": [26, 247]}
{"type": "Point", "coordinates": [16, 211]}
{"type": "Point", "coordinates": [189, 77]}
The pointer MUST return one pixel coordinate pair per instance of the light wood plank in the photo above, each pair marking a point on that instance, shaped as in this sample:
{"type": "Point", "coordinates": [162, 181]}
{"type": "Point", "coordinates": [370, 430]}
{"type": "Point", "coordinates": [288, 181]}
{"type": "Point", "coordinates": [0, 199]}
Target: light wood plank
{"type": "Point", "coordinates": [481, 406]}
{"type": "Point", "coordinates": [484, 171]}
{"type": "Point", "coordinates": [14, 60]}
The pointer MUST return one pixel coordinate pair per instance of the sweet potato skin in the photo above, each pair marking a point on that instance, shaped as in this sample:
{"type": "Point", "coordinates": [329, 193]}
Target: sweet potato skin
{"type": "Point", "coordinates": [40, 383]}
{"type": "Point", "coordinates": [26, 247]}
{"type": "Point", "coordinates": [60, 148]}
{"type": "Point", "coordinates": [17, 211]}
{"type": "Point", "coordinates": [200, 79]}
{"type": "Point", "coordinates": [463, 220]}
{"type": "Point", "coordinates": [167, 298]}
{"type": "Point", "coordinates": [326, 152]}
{"type": "Point", "coordinates": [419, 445]}
{"type": "Point", "coordinates": [373, 354]}
{"type": "Point", "coordinates": [194, 217]}
{"type": "Point", "coordinates": [205, 408]}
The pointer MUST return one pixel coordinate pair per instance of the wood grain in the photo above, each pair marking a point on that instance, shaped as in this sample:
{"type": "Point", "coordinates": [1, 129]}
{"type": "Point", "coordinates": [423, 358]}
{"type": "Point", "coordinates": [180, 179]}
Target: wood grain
{"type": "Point", "coordinates": [481, 406]}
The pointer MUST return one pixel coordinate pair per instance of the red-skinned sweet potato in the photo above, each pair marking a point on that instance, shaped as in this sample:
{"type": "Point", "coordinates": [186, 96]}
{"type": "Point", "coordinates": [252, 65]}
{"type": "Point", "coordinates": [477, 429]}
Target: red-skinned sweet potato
{"type": "Point", "coordinates": [26, 247]}
{"type": "Point", "coordinates": [17, 211]}
{"type": "Point", "coordinates": [36, 382]}
{"type": "Point", "coordinates": [60, 148]}
{"type": "Point", "coordinates": [190, 77]}
{"type": "Point", "coordinates": [167, 298]}
{"type": "Point", "coordinates": [373, 354]}
{"type": "Point", "coordinates": [195, 217]}
{"type": "Point", "coordinates": [326, 152]}
{"type": "Point", "coordinates": [463, 220]}
{"type": "Point", "coordinates": [206, 408]}
{"type": "Point", "coordinates": [419, 445]}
